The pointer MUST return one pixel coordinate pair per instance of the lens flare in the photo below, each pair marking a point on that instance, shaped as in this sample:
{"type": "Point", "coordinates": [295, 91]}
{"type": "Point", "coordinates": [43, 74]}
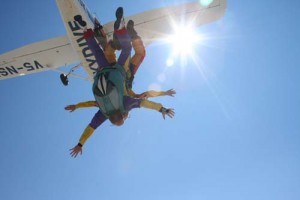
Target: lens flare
{"type": "Point", "coordinates": [205, 3]}
{"type": "Point", "coordinates": [170, 62]}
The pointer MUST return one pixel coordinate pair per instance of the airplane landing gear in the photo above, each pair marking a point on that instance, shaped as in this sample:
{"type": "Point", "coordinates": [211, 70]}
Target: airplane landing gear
{"type": "Point", "coordinates": [64, 78]}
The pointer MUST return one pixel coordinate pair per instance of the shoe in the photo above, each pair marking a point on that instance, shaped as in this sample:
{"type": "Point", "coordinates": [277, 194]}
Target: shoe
{"type": "Point", "coordinates": [98, 29]}
{"type": "Point", "coordinates": [119, 13]}
{"type": "Point", "coordinates": [79, 19]}
{"type": "Point", "coordinates": [119, 16]}
{"type": "Point", "coordinates": [97, 24]}
{"type": "Point", "coordinates": [130, 29]}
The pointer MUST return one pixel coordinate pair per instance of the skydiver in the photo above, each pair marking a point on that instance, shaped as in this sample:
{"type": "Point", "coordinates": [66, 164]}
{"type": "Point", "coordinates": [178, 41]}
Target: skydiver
{"type": "Point", "coordinates": [114, 94]}
{"type": "Point", "coordinates": [109, 49]}
{"type": "Point", "coordinates": [113, 45]}
{"type": "Point", "coordinates": [122, 36]}
{"type": "Point", "coordinates": [145, 95]}
{"type": "Point", "coordinates": [99, 118]}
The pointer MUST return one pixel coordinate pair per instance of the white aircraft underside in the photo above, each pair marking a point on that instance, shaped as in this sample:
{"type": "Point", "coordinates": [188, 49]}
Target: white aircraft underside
{"type": "Point", "coordinates": [72, 48]}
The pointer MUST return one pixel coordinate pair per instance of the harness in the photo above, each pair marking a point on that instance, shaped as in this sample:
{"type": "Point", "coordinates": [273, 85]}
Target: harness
{"type": "Point", "coordinates": [108, 89]}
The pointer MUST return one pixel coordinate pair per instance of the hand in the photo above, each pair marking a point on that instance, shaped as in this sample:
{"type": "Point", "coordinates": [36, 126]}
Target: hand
{"type": "Point", "coordinates": [76, 150]}
{"type": "Point", "coordinates": [170, 92]}
{"type": "Point", "coordinates": [169, 112]}
{"type": "Point", "coordinates": [71, 108]}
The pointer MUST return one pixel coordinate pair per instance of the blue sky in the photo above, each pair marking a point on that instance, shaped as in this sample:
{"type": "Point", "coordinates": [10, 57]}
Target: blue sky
{"type": "Point", "coordinates": [235, 134]}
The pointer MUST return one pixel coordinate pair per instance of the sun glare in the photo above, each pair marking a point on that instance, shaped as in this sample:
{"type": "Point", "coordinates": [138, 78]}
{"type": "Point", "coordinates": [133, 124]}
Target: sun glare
{"type": "Point", "coordinates": [183, 41]}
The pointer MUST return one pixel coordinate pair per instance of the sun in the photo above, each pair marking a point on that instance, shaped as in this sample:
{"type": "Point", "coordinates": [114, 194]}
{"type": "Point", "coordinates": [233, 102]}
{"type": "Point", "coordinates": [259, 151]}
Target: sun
{"type": "Point", "coordinates": [183, 41]}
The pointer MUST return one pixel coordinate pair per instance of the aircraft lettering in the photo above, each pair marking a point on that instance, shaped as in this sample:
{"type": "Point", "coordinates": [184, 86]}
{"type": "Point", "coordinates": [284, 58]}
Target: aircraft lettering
{"type": "Point", "coordinates": [86, 10]}
{"type": "Point", "coordinates": [8, 70]}
{"type": "Point", "coordinates": [3, 72]}
{"type": "Point", "coordinates": [74, 27]}
{"type": "Point", "coordinates": [11, 70]}
{"type": "Point", "coordinates": [38, 65]}
{"type": "Point", "coordinates": [81, 42]}
{"type": "Point", "coordinates": [86, 53]}
{"type": "Point", "coordinates": [91, 63]}
{"type": "Point", "coordinates": [28, 66]}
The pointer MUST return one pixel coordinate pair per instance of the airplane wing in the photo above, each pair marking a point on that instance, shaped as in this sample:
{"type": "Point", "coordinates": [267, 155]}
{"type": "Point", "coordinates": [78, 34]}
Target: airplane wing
{"type": "Point", "coordinates": [156, 24]}
{"type": "Point", "coordinates": [37, 57]}
{"type": "Point", "coordinates": [64, 50]}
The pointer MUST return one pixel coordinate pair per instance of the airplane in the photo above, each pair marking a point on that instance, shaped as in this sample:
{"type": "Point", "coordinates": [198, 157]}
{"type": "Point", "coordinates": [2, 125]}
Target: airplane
{"type": "Point", "coordinates": [72, 49]}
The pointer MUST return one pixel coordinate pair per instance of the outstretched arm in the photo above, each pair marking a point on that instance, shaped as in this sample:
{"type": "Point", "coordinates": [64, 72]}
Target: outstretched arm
{"type": "Point", "coordinates": [86, 104]}
{"type": "Point", "coordinates": [97, 120]}
{"type": "Point", "coordinates": [157, 106]}
{"type": "Point", "coordinates": [85, 135]}
{"type": "Point", "coordinates": [152, 93]}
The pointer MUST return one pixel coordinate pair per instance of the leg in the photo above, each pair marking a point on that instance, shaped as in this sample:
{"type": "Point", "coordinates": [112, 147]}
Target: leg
{"type": "Point", "coordinates": [108, 47]}
{"type": "Point", "coordinates": [110, 53]}
{"type": "Point", "coordinates": [95, 48]}
{"type": "Point", "coordinates": [138, 47]}
{"type": "Point", "coordinates": [100, 34]}
{"type": "Point", "coordinates": [139, 50]}
{"type": "Point", "coordinates": [125, 43]}
{"type": "Point", "coordinates": [136, 60]}
{"type": "Point", "coordinates": [92, 43]}
{"type": "Point", "coordinates": [123, 37]}
{"type": "Point", "coordinates": [139, 55]}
